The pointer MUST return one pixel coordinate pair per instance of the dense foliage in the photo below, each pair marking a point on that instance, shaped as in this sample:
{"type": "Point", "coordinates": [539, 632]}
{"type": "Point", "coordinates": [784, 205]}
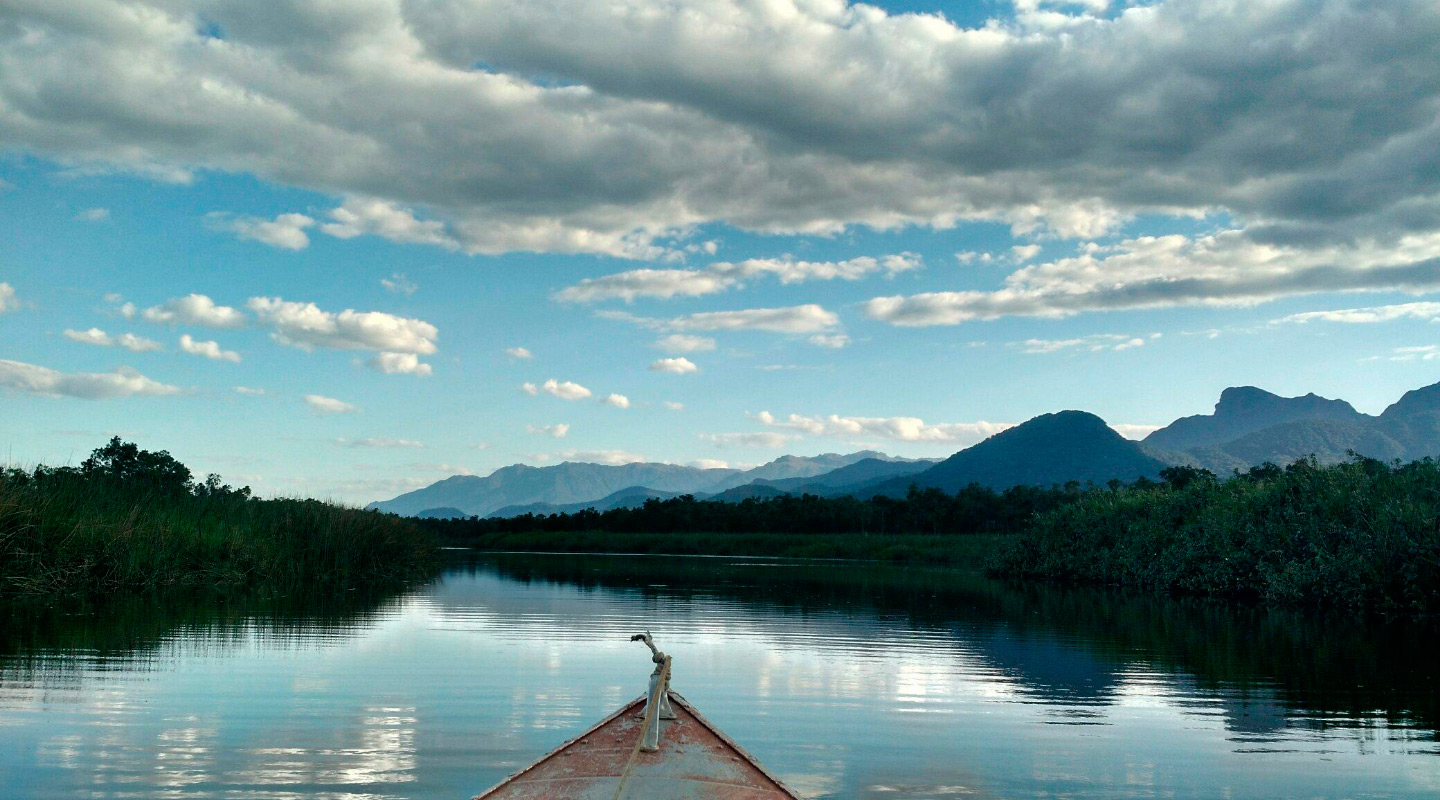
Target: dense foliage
{"type": "Point", "coordinates": [1362, 534]}
{"type": "Point", "coordinates": [131, 518]}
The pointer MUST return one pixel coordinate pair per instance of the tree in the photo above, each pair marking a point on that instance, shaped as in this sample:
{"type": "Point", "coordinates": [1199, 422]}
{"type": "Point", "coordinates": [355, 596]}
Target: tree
{"type": "Point", "coordinates": [125, 462]}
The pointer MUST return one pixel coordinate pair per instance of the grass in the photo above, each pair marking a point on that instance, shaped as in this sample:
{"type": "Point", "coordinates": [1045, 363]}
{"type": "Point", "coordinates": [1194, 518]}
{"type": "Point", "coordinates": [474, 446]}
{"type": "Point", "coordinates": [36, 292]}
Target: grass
{"type": "Point", "coordinates": [78, 531]}
{"type": "Point", "coordinates": [971, 550]}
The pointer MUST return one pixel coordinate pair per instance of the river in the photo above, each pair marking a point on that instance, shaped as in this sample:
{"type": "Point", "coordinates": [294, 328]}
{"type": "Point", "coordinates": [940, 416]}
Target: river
{"type": "Point", "coordinates": [848, 681]}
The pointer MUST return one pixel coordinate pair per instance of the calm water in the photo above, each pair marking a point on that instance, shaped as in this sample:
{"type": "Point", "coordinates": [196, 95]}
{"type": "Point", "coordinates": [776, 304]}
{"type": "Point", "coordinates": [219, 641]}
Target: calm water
{"type": "Point", "coordinates": [848, 682]}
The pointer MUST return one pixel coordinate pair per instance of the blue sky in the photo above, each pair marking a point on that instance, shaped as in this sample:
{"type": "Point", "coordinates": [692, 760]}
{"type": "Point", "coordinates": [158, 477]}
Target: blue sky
{"type": "Point", "coordinates": [947, 243]}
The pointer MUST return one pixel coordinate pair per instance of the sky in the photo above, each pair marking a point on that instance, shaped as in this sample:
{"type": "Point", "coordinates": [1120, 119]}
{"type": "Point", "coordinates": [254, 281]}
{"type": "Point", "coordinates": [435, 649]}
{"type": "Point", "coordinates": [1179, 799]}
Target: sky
{"type": "Point", "coordinates": [347, 249]}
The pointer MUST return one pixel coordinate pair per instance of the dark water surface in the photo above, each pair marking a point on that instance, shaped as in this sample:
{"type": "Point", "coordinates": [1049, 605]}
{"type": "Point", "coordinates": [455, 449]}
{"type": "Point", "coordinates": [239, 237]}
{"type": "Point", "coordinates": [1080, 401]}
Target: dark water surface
{"type": "Point", "coordinates": [849, 682]}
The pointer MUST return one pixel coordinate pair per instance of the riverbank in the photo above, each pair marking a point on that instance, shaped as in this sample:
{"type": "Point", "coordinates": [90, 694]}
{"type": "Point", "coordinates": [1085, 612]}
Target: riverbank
{"type": "Point", "coordinates": [968, 551]}
{"type": "Point", "coordinates": [129, 519]}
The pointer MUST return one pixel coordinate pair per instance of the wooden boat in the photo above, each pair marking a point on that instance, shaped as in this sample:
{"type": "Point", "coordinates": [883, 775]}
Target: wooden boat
{"type": "Point", "coordinates": [657, 747]}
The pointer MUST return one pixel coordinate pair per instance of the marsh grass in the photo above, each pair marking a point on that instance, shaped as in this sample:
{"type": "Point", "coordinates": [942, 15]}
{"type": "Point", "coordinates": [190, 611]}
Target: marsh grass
{"type": "Point", "coordinates": [100, 528]}
{"type": "Point", "coordinates": [1358, 535]}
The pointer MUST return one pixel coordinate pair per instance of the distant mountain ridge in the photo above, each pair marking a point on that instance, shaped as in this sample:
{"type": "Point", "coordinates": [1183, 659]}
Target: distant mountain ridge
{"type": "Point", "coordinates": [577, 482]}
{"type": "Point", "coordinates": [1248, 426]}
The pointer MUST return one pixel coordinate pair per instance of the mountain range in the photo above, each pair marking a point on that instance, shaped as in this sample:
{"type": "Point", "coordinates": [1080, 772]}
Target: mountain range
{"type": "Point", "coordinates": [1249, 426]}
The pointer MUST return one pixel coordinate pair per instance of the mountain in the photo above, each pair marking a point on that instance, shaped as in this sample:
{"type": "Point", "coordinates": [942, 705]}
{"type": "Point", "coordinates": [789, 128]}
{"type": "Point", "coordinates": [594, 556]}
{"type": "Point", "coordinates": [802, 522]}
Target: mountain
{"type": "Point", "coordinates": [849, 478]}
{"type": "Point", "coordinates": [570, 482]}
{"type": "Point", "coordinates": [1049, 449]}
{"type": "Point", "coordinates": [573, 482]}
{"type": "Point", "coordinates": [629, 497]}
{"type": "Point", "coordinates": [444, 512]}
{"type": "Point", "coordinates": [1243, 410]}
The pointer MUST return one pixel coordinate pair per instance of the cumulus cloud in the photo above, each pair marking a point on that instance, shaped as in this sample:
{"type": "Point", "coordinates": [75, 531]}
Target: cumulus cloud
{"type": "Point", "coordinates": [250, 391]}
{"type": "Point", "coordinates": [667, 283]}
{"type": "Point", "coordinates": [760, 439]}
{"type": "Point", "coordinates": [1231, 267]}
{"type": "Point", "coordinates": [655, 120]}
{"type": "Point", "coordinates": [616, 400]}
{"type": "Point", "coordinates": [123, 382]}
{"type": "Point", "coordinates": [306, 326]}
{"type": "Point", "coordinates": [93, 215]}
{"type": "Point", "coordinates": [8, 302]}
{"type": "Point", "coordinates": [565, 390]}
{"type": "Point", "coordinates": [399, 283]}
{"type": "Point", "coordinates": [99, 338]}
{"type": "Point", "coordinates": [671, 405]}
{"type": "Point", "coordinates": [678, 365]}
{"type": "Point", "coordinates": [685, 343]}
{"type": "Point", "coordinates": [709, 463]}
{"type": "Point", "coordinates": [192, 309]}
{"type": "Point", "coordinates": [210, 350]}
{"type": "Point", "coordinates": [379, 442]}
{"type": "Point", "coordinates": [900, 429]}
{"type": "Point", "coordinates": [1134, 431]}
{"type": "Point", "coordinates": [375, 217]}
{"type": "Point", "coordinates": [804, 319]}
{"type": "Point", "coordinates": [329, 405]}
{"type": "Point", "coordinates": [286, 231]}
{"type": "Point", "coordinates": [400, 364]}
{"type": "Point", "coordinates": [519, 353]}
{"type": "Point", "coordinates": [556, 431]}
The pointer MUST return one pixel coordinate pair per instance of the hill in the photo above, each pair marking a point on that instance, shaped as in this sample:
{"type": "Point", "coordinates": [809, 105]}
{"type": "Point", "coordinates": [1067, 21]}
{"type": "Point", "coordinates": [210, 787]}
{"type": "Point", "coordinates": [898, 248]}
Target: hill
{"type": "Point", "coordinates": [1047, 450]}
{"type": "Point", "coordinates": [629, 497]}
{"type": "Point", "coordinates": [1243, 410]}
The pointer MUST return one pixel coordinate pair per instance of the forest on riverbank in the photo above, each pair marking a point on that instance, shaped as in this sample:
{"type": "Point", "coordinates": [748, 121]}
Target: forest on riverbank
{"type": "Point", "coordinates": [1363, 534]}
{"type": "Point", "coordinates": [132, 519]}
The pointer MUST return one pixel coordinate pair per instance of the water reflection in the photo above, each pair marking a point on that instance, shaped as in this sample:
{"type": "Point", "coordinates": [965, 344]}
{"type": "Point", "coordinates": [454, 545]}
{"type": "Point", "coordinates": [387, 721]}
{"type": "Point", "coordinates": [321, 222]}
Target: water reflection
{"type": "Point", "coordinates": [872, 682]}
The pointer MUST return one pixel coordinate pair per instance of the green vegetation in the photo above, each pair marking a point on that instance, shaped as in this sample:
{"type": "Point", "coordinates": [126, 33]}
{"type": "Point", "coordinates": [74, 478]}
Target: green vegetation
{"type": "Point", "coordinates": [1357, 535]}
{"type": "Point", "coordinates": [128, 518]}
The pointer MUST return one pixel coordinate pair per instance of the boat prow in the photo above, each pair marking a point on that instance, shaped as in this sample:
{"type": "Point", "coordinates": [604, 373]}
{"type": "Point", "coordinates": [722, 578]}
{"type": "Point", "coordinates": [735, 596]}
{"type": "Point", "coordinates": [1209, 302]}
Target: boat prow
{"type": "Point", "coordinates": [692, 759]}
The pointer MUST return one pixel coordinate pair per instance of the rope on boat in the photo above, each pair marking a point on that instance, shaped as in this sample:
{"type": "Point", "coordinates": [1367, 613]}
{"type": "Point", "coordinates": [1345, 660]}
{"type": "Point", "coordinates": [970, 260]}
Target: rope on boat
{"type": "Point", "coordinates": [659, 689]}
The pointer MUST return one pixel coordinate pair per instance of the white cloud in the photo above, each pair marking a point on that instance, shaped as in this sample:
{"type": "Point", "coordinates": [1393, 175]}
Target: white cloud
{"type": "Point", "coordinates": [1094, 343]}
{"type": "Point", "coordinates": [808, 318]}
{"type": "Point", "coordinates": [192, 309]}
{"type": "Point", "coordinates": [380, 442]}
{"type": "Point", "coordinates": [519, 353]}
{"type": "Point", "coordinates": [1425, 352]}
{"type": "Point", "coordinates": [565, 390]}
{"type": "Point", "coordinates": [306, 326]}
{"type": "Point", "coordinates": [761, 439]}
{"type": "Point", "coordinates": [612, 458]}
{"type": "Point", "coordinates": [671, 405]}
{"type": "Point", "coordinates": [250, 391]}
{"type": "Point", "coordinates": [329, 405]}
{"type": "Point", "coordinates": [654, 120]}
{"type": "Point", "coordinates": [210, 350]}
{"type": "Point", "coordinates": [99, 338]}
{"type": "Point", "coordinates": [123, 382]}
{"type": "Point", "coordinates": [709, 463]}
{"type": "Point", "coordinates": [8, 302]}
{"type": "Point", "coordinates": [616, 400]}
{"type": "Point", "coordinates": [1232, 267]}
{"type": "Point", "coordinates": [832, 341]}
{"type": "Point", "coordinates": [93, 215]}
{"type": "Point", "coordinates": [679, 365]}
{"type": "Point", "coordinates": [371, 216]}
{"type": "Point", "coordinates": [399, 283]}
{"type": "Point", "coordinates": [556, 431]}
{"type": "Point", "coordinates": [901, 429]}
{"type": "Point", "coordinates": [667, 283]}
{"type": "Point", "coordinates": [286, 231]}
{"type": "Point", "coordinates": [1133, 431]}
{"type": "Point", "coordinates": [1021, 253]}
{"type": "Point", "coordinates": [400, 364]}
{"type": "Point", "coordinates": [660, 283]}
{"type": "Point", "coordinates": [1391, 313]}
{"type": "Point", "coordinates": [685, 343]}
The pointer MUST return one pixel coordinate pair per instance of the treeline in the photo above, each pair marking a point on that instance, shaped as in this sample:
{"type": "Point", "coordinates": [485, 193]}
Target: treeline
{"type": "Point", "coordinates": [128, 518]}
{"type": "Point", "coordinates": [1361, 535]}
{"type": "Point", "coordinates": [974, 509]}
